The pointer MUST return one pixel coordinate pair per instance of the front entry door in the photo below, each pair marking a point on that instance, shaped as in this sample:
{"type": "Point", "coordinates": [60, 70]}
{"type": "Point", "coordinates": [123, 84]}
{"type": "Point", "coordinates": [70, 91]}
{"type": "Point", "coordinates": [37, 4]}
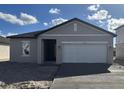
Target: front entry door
{"type": "Point", "coordinates": [49, 50]}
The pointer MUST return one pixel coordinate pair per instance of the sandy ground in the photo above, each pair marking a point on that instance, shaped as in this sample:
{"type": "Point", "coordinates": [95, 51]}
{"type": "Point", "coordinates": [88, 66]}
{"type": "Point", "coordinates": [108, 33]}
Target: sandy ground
{"type": "Point", "coordinates": [26, 76]}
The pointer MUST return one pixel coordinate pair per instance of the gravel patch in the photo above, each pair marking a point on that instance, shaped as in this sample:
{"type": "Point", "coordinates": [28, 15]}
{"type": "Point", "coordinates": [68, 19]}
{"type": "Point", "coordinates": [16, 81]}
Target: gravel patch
{"type": "Point", "coordinates": [27, 85]}
{"type": "Point", "coordinates": [25, 75]}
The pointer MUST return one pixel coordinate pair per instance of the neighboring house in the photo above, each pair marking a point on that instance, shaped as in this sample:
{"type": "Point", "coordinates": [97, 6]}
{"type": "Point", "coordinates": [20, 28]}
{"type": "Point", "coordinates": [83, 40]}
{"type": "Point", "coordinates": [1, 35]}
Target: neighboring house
{"type": "Point", "coordinates": [120, 42]}
{"type": "Point", "coordinates": [4, 48]}
{"type": "Point", "coordinates": [74, 41]}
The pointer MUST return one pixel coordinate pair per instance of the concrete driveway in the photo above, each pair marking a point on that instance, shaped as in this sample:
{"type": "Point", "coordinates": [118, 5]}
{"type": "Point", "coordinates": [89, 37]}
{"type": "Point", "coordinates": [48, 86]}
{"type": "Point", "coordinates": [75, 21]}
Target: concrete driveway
{"type": "Point", "coordinates": [88, 77]}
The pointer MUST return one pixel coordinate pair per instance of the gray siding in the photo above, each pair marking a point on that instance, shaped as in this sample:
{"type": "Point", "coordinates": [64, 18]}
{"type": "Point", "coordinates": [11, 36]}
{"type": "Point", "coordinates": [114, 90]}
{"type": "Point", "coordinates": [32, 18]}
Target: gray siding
{"type": "Point", "coordinates": [16, 51]}
{"type": "Point", "coordinates": [69, 29]}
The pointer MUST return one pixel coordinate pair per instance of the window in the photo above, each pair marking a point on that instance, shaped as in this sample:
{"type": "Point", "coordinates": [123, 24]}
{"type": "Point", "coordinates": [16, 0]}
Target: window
{"type": "Point", "coordinates": [25, 48]}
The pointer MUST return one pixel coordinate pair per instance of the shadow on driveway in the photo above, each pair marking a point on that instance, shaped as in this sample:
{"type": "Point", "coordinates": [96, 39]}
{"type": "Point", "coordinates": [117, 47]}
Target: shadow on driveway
{"type": "Point", "coordinates": [67, 70]}
{"type": "Point", "coordinates": [11, 72]}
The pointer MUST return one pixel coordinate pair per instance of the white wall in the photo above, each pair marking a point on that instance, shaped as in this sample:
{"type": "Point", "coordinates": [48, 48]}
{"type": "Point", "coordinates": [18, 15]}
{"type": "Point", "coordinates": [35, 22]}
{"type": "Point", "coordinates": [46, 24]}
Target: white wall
{"type": "Point", "coordinates": [4, 52]}
{"type": "Point", "coordinates": [120, 43]}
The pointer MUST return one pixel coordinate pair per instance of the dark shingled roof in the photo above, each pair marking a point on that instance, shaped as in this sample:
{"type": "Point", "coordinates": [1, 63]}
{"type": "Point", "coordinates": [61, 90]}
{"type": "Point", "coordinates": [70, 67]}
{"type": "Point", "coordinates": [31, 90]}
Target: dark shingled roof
{"type": "Point", "coordinates": [27, 35]}
{"type": "Point", "coordinates": [36, 33]}
{"type": "Point", "coordinates": [4, 40]}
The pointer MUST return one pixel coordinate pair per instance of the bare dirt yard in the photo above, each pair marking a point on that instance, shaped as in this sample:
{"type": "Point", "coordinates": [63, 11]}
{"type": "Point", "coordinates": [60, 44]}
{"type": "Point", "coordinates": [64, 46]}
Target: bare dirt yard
{"type": "Point", "coordinates": [26, 75]}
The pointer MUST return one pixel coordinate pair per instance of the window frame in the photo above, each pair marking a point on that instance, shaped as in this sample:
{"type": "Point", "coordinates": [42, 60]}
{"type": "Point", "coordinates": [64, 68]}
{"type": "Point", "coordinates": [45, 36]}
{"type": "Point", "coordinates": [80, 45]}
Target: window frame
{"type": "Point", "coordinates": [23, 54]}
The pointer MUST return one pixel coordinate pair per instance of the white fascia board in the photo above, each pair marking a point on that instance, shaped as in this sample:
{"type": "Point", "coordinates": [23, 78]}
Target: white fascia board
{"type": "Point", "coordinates": [75, 35]}
{"type": "Point", "coordinates": [84, 42]}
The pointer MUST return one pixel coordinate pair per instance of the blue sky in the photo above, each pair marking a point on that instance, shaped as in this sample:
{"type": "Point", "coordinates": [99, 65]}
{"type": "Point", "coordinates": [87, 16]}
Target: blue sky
{"type": "Point", "coordinates": [15, 19]}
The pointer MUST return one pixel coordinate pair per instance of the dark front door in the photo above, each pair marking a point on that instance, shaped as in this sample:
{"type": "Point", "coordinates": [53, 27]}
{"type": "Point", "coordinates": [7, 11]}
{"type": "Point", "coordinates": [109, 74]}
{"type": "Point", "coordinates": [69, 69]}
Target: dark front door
{"type": "Point", "coordinates": [49, 50]}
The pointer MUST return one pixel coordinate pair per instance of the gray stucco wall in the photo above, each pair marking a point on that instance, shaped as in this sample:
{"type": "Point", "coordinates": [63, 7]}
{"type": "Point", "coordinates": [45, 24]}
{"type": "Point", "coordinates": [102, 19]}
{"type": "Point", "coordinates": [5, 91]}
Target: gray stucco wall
{"type": "Point", "coordinates": [59, 45]}
{"type": "Point", "coordinates": [69, 29]}
{"type": "Point", "coordinates": [16, 51]}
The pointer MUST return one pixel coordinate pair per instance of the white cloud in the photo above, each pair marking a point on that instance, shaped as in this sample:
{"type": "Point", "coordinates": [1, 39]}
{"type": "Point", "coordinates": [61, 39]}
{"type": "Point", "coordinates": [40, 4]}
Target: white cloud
{"type": "Point", "coordinates": [99, 15]}
{"type": "Point", "coordinates": [10, 18]}
{"type": "Point", "coordinates": [55, 21]}
{"type": "Point", "coordinates": [94, 7]}
{"type": "Point", "coordinates": [114, 23]}
{"type": "Point", "coordinates": [28, 19]}
{"type": "Point", "coordinates": [58, 21]}
{"type": "Point", "coordinates": [54, 11]}
{"type": "Point", "coordinates": [1, 34]}
{"type": "Point", "coordinates": [101, 23]}
{"type": "Point", "coordinates": [45, 24]}
{"type": "Point", "coordinates": [109, 16]}
{"type": "Point", "coordinates": [24, 19]}
{"type": "Point", "coordinates": [8, 34]}
{"type": "Point", "coordinates": [103, 18]}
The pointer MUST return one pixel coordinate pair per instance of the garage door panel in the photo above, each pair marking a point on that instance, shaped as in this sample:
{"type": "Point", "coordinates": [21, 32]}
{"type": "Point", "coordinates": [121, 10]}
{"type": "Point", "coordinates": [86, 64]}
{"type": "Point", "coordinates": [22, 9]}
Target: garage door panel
{"type": "Point", "coordinates": [66, 53]}
{"type": "Point", "coordinates": [80, 53]}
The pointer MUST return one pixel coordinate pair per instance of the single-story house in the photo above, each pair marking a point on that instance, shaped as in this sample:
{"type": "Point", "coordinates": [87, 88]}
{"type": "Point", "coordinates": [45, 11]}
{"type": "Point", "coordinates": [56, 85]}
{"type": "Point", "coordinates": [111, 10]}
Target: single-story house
{"type": "Point", "coordinates": [74, 41]}
{"type": "Point", "coordinates": [120, 42]}
{"type": "Point", "coordinates": [4, 49]}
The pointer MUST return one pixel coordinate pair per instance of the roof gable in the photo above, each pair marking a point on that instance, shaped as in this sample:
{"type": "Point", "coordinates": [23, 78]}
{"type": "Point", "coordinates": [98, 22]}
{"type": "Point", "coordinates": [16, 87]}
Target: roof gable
{"type": "Point", "coordinates": [74, 27]}
{"type": "Point", "coordinates": [37, 33]}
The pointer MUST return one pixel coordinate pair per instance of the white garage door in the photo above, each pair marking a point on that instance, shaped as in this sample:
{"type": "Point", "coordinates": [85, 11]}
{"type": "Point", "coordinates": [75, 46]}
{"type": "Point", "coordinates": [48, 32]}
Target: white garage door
{"type": "Point", "coordinates": [80, 53]}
